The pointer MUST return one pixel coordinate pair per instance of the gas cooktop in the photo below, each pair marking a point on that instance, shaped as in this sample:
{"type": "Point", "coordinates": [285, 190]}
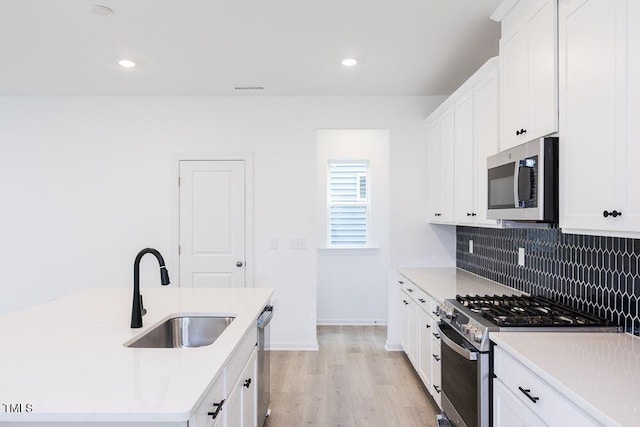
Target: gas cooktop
{"type": "Point", "coordinates": [521, 311]}
{"type": "Point", "coordinates": [474, 317]}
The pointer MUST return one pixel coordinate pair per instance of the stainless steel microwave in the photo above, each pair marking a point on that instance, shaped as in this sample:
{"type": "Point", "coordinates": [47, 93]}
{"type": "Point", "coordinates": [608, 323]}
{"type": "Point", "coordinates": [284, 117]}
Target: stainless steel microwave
{"type": "Point", "coordinates": [523, 182]}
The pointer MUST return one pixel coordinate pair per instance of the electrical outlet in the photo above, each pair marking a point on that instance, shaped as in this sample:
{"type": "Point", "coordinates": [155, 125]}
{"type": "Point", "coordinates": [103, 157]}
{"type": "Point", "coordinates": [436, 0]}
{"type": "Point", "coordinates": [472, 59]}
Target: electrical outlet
{"type": "Point", "coordinates": [470, 246]}
{"type": "Point", "coordinates": [298, 244]}
{"type": "Point", "coordinates": [521, 257]}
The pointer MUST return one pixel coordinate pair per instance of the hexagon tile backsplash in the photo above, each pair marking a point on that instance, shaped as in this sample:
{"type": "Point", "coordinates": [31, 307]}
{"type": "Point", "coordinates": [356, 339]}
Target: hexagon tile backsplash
{"type": "Point", "coordinates": [600, 275]}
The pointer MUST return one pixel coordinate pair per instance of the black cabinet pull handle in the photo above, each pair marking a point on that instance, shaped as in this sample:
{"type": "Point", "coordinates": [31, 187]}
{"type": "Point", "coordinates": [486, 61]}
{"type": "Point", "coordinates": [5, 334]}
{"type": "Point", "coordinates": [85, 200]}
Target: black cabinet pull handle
{"type": "Point", "coordinates": [435, 356]}
{"type": "Point", "coordinates": [613, 213]}
{"type": "Point", "coordinates": [436, 313]}
{"type": "Point", "coordinates": [405, 302]}
{"type": "Point", "coordinates": [468, 214]}
{"type": "Point", "coordinates": [401, 282]}
{"type": "Point", "coordinates": [428, 326]}
{"type": "Point", "coordinates": [247, 383]}
{"type": "Point", "coordinates": [527, 392]}
{"type": "Point", "coordinates": [517, 132]}
{"type": "Point", "coordinates": [436, 336]}
{"type": "Point", "coordinates": [473, 214]}
{"type": "Point", "coordinates": [218, 407]}
{"type": "Point", "coordinates": [437, 388]}
{"type": "Point", "coordinates": [421, 300]}
{"type": "Point", "coordinates": [409, 290]}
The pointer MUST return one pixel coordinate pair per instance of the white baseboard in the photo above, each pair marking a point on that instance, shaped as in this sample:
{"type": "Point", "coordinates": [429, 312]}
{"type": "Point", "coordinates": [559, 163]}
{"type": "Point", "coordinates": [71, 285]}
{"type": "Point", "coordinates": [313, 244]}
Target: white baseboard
{"type": "Point", "coordinates": [390, 346]}
{"type": "Point", "coordinates": [351, 322]}
{"type": "Point", "coordinates": [279, 346]}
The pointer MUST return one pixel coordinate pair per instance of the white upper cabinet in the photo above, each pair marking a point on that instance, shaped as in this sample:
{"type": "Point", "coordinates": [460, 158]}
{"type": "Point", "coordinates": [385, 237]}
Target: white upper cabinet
{"type": "Point", "coordinates": [461, 134]}
{"type": "Point", "coordinates": [440, 140]}
{"type": "Point", "coordinates": [599, 105]}
{"type": "Point", "coordinates": [487, 138]}
{"type": "Point", "coordinates": [528, 71]}
{"type": "Point", "coordinates": [464, 167]}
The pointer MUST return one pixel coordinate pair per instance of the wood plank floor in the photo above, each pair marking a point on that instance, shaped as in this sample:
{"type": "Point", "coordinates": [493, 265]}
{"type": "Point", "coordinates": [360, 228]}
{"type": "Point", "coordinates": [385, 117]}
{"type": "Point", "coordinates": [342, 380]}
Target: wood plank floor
{"type": "Point", "coordinates": [351, 381]}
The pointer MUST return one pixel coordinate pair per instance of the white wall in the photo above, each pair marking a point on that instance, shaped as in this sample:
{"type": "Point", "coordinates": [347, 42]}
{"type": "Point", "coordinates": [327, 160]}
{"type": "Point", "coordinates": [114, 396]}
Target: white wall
{"type": "Point", "coordinates": [352, 283]}
{"type": "Point", "coordinates": [86, 182]}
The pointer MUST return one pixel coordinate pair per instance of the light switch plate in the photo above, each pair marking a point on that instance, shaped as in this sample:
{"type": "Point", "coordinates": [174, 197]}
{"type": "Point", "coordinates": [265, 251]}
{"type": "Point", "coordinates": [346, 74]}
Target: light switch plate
{"type": "Point", "coordinates": [298, 244]}
{"type": "Point", "coordinates": [521, 256]}
{"type": "Point", "coordinates": [274, 243]}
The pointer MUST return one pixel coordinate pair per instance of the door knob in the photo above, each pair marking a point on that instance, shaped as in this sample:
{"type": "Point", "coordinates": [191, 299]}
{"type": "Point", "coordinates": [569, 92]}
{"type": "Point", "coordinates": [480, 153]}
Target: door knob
{"type": "Point", "coordinates": [239, 264]}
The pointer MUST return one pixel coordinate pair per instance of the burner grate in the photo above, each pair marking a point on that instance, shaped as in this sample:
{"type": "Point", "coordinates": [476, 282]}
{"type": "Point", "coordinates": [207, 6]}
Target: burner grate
{"type": "Point", "coordinates": [528, 311]}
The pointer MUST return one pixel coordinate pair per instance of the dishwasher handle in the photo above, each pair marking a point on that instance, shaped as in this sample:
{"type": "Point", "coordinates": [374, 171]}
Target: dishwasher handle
{"type": "Point", "coordinates": [265, 317]}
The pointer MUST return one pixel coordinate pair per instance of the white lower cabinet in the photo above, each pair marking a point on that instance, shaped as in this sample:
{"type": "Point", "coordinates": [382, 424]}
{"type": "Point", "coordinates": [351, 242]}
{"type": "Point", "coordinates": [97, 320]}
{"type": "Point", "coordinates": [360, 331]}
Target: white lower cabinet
{"type": "Point", "coordinates": [232, 400]}
{"type": "Point", "coordinates": [424, 332]}
{"type": "Point", "coordinates": [209, 413]}
{"type": "Point", "coordinates": [417, 324]}
{"type": "Point", "coordinates": [509, 411]}
{"type": "Point", "coordinates": [522, 398]}
{"type": "Point", "coordinates": [241, 411]}
{"type": "Point", "coordinates": [436, 368]}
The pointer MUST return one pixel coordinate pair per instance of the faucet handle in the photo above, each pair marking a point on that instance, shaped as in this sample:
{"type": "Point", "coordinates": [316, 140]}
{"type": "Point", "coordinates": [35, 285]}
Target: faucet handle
{"type": "Point", "coordinates": [142, 309]}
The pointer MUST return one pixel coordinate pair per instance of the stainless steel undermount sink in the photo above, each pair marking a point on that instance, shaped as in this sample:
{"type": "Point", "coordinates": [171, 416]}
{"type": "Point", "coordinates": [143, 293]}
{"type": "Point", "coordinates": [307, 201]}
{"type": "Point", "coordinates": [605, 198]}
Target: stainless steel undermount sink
{"type": "Point", "coordinates": [183, 331]}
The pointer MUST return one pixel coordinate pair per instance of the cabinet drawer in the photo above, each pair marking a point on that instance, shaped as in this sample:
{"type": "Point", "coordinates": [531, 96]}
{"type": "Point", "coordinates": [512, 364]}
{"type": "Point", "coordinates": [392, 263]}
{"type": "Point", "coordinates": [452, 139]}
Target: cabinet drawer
{"type": "Point", "coordinates": [408, 287]}
{"type": "Point", "coordinates": [546, 402]}
{"type": "Point", "coordinates": [214, 397]}
{"type": "Point", "coordinates": [241, 355]}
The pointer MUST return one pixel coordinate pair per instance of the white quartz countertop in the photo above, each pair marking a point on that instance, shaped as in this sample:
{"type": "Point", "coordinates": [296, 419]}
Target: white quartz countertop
{"type": "Point", "coordinates": [599, 372]}
{"type": "Point", "coordinates": [67, 360]}
{"type": "Point", "coordinates": [446, 283]}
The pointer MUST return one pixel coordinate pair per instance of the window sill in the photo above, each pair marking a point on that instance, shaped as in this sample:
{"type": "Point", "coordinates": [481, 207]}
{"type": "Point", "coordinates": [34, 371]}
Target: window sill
{"type": "Point", "coordinates": [358, 250]}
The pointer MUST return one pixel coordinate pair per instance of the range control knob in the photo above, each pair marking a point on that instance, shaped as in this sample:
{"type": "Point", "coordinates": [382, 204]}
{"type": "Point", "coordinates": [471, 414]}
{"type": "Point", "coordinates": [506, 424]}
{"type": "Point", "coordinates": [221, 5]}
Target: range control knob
{"type": "Point", "coordinates": [464, 328]}
{"type": "Point", "coordinates": [446, 312]}
{"type": "Point", "coordinates": [475, 334]}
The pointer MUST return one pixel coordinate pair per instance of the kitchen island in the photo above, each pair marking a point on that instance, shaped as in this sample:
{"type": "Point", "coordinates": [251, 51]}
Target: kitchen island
{"type": "Point", "coordinates": [65, 363]}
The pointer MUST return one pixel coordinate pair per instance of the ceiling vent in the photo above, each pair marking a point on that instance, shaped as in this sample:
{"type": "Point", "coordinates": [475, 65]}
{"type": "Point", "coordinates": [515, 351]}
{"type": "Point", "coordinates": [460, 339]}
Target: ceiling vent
{"type": "Point", "coordinates": [249, 88]}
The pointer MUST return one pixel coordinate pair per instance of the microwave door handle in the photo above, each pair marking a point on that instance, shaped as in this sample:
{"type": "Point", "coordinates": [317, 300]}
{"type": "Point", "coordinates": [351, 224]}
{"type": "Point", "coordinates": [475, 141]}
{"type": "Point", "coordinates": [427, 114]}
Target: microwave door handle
{"type": "Point", "coordinates": [516, 181]}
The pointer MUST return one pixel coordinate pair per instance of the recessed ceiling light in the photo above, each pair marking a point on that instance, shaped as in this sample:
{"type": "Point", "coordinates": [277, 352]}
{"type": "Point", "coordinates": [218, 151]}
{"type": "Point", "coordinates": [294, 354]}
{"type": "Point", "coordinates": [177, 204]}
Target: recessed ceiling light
{"type": "Point", "coordinates": [98, 9]}
{"type": "Point", "coordinates": [127, 63]}
{"type": "Point", "coordinates": [349, 62]}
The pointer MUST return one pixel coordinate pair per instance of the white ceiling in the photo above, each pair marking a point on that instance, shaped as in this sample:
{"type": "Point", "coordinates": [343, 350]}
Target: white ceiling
{"type": "Point", "coordinates": [207, 47]}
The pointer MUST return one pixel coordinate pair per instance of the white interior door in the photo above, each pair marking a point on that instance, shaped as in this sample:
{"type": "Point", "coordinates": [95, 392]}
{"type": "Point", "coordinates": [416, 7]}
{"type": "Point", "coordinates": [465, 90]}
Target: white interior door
{"type": "Point", "coordinates": [212, 223]}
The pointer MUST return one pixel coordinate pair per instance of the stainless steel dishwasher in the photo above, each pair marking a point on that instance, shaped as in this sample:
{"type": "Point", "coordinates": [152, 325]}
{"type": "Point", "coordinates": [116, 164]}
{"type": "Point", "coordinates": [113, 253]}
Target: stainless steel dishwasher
{"type": "Point", "coordinates": [264, 364]}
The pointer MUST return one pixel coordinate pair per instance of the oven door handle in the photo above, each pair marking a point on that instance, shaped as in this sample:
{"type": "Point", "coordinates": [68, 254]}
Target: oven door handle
{"type": "Point", "coordinates": [467, 354]}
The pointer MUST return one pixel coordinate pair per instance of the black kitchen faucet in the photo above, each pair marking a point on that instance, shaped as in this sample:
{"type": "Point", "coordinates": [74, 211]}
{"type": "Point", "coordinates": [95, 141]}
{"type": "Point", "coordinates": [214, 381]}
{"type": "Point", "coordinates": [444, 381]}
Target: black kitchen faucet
{"type": "Point", "coordinates": [138, 309]}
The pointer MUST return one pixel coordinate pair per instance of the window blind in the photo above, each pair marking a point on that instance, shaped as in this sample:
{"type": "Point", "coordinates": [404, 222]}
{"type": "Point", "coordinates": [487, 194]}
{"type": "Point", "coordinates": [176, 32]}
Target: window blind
{"type": "Point", "coordinates": [348, 204]}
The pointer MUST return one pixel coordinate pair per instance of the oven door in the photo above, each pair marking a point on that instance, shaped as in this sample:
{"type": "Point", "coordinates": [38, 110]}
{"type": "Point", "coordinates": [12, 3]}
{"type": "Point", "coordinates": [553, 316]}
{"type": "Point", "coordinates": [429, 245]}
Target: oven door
{"type": "Point", "coordinates": [465, 380]}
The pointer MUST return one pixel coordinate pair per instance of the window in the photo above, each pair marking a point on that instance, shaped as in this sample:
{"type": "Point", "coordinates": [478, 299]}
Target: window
{"type": "Point", "coordinates": [348, 203]}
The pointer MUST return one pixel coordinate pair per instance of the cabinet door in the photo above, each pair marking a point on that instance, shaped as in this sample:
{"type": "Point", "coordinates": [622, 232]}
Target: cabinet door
{"type": "Point", "coordinates": [447, 149]}
{"type": "Point", "coordinates": [630, 158]}
{"type": "Point", "coordinates": [425, 339]}
{"type": "Point", "coordinates": [487, 139]}
{"type": "Point", "coordinates": [542, 90]}
{"type": "Point", "coordinates": [589, 100]}
{"type": "Point", "coordinates": [249, 380]}
{"type": "Point", "coordinates": [233, 407]}
{"type": "Point", "coordinates": [513, 83]}
{"type": "Point", "coordinates": [464, 160]}
{"type": "Point", "coordinates": [433, 163]}
{"type": "Point", "coordinates": [413, 333]}
{"type": "Point", "coordinates": [508, 411]}
{"type": "Point", "coordinates": [404, 320]}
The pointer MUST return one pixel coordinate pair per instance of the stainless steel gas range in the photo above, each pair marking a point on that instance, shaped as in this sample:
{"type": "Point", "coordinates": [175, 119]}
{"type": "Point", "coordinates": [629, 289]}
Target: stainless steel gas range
{"type": "Point", "coordinates": [464, 333]}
